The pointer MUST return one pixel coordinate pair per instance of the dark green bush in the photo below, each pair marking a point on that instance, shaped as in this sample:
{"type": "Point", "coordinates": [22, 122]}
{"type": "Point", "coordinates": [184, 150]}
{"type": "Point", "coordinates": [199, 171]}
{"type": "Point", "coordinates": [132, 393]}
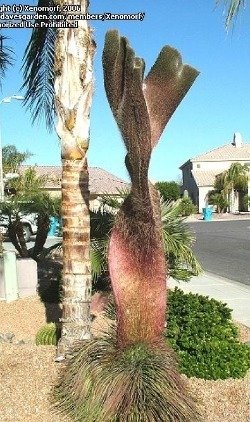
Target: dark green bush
{"type": "Point", "coordinates": [217, 359]}
{"type": "Point", "coordinates": [202, 333]}
{"type": "Point", "coordinates": [170, 191]}
{"type": "Point", "coordinates": [186, 207]}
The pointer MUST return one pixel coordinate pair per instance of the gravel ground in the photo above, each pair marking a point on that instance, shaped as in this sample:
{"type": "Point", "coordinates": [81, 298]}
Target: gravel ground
{"type": "Point", "coordinates": [28, 372]}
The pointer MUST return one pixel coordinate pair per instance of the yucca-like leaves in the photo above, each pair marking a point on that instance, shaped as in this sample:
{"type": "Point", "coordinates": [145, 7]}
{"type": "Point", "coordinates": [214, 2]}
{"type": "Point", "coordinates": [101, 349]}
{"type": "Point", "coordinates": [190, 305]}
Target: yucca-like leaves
{"type": "Point", "coordinates": [102, 383]}
{"type": "Point", "coordinates": [38, 71]}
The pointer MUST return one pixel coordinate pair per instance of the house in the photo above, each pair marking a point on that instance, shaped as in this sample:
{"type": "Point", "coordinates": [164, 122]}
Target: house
{"type": "Point", "coordinates": [198, 173]}
{"type": "Point", "coordinates": [101, 182]}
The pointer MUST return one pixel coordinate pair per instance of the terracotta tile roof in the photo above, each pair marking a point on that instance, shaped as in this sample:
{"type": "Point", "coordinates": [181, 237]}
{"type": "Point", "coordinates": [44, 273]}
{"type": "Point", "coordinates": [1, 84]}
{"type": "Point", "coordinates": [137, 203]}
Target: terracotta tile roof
{"type": "Point", "coordinates": [100, 180]}
{"type": "Point", "coordinates": [205, 177]}
{"type": "Point", "coordinates": [228, 152]}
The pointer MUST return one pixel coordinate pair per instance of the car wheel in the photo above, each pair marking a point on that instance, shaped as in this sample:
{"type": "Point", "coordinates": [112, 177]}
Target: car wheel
{"type": "Point", "coordinates": [26, 232]}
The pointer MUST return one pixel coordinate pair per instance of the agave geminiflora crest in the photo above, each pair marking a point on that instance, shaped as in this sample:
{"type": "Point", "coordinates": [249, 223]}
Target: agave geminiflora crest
{"type": "Point", "coordinates": [142, 108]}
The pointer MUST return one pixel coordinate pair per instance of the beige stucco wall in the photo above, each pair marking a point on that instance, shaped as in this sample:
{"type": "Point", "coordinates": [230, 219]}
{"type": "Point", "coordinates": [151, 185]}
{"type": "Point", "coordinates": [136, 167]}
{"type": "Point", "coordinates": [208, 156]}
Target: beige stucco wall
{"type": "Point", "coordinates": [203, 191]}
{"type": "Point", "coordinates": [214, 165]}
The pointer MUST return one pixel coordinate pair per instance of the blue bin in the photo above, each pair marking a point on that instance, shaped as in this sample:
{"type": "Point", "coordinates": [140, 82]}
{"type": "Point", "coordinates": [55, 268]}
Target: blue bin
{"type": "Point", "coordinates": [207, 213]}
{"type": "Point", "coordinates": [54, 226]}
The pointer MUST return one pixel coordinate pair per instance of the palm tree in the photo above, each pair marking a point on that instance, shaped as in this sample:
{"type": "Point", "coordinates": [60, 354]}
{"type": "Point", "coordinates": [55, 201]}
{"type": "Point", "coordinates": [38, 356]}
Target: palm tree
{"type": "Point", "coordinates": [58, 78]}
{"type": "Point", "coordinates": [231, 180]}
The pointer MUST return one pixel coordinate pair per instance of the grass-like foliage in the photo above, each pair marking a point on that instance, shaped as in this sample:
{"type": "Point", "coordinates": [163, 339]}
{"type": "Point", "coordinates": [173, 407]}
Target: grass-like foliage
{"type": "Point", "coordinates": [48, 335]}
{"type": "Point", "coordinates": [140, 383]}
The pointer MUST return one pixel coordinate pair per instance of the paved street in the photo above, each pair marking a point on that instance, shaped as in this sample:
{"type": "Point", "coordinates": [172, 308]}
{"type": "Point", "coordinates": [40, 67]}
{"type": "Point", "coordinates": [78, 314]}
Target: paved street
{"type": "Point", "coordinates": [223, 248]}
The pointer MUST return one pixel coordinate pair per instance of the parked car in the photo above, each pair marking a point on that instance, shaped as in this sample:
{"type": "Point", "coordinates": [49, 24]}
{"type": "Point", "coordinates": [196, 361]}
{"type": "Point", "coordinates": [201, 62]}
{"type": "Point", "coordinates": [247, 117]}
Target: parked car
{"type": "Point", "coordinates": [29, 222]}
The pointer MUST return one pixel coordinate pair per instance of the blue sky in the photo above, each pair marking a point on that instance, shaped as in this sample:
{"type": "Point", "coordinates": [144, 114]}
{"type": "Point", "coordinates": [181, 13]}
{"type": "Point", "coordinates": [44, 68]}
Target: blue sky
{"type": "Point", "coordinates": [216, 106]}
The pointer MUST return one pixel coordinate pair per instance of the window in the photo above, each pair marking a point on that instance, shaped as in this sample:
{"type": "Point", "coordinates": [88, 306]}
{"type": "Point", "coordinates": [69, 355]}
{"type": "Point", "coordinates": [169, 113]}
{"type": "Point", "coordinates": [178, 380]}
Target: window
{"type": "Point", "coordinates": [198, 166]}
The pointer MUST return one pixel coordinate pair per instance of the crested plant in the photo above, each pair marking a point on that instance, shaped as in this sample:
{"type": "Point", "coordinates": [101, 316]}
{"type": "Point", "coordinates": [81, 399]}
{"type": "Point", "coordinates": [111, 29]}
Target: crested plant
{"type": "Point", "coordinates": [142, 108]}
{"type": "Point", "coordinates": [131, 375]}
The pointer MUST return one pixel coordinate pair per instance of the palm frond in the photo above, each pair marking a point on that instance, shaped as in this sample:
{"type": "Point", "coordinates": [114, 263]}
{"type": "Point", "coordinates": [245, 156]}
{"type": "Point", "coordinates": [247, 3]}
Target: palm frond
{"type": "Point", "coordinates": [38, 71]}
{"type": "Point", "coordinates": [98, 256]}
{"type": "Point", "coordinates": [178, 241]}
{"type": "Point", "coordinates": [6, 57]}
{"type": "Point", "coordinates": [234, 6]}
{"type": "Point", "coordinates": [114, 202]}
{"type": "Point", "coordinates": [101, 222]}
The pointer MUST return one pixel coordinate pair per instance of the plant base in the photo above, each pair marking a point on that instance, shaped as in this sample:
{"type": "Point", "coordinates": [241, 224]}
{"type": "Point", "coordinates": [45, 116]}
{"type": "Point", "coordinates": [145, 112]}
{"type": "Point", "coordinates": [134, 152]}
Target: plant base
{"type": "Point", "coordinates": [138, 384]}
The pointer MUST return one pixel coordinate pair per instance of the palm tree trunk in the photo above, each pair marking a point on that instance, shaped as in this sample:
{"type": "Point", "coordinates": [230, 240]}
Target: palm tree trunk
{"type": "Point", "coordinates": [73, 88]}
{"type": "Point", "coordinates": [43, 224]}
{"type": "Point", "coordinates": [13, 237]}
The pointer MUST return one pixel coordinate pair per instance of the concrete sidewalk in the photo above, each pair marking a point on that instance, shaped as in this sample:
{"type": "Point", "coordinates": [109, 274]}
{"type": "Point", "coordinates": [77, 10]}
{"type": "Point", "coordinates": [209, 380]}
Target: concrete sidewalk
{"type": "Point", "coordinates": [236, 295]}
{"type": "Point", "coordinates": [219, 217]}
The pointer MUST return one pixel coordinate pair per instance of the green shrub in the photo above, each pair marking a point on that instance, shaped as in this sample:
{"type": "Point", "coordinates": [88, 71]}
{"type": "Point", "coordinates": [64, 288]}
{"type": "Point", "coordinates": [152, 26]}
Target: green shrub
{"type": "Point", "coordinates": [48, 335]}
{"type": "Point", "coordinates": [217, 359]}
{"type": "Point", "coordinates": [202, 333]}
{"type": "Point", "coordinates": [186, 207]}
{"type": "Point", "coordinates": [104, 383]}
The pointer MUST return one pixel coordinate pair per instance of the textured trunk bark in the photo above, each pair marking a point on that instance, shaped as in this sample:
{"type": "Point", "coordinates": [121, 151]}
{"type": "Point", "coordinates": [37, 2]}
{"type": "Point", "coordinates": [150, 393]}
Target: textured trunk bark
{"type": "Point", "coordinates": [13, 238]}
{"type": "Point", "coordinates": [20, 236]}
{"type": "Point", "coordinates": [73, 88]}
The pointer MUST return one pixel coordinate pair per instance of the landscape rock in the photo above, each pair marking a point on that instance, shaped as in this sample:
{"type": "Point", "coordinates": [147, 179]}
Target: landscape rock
{"type": "Point", "coordinates": [6, 337]}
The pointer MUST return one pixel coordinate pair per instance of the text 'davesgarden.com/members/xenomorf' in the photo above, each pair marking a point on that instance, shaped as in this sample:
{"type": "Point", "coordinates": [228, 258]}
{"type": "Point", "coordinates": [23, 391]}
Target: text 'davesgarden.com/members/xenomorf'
{"type": "Point", "coordinates": [58, 16]}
